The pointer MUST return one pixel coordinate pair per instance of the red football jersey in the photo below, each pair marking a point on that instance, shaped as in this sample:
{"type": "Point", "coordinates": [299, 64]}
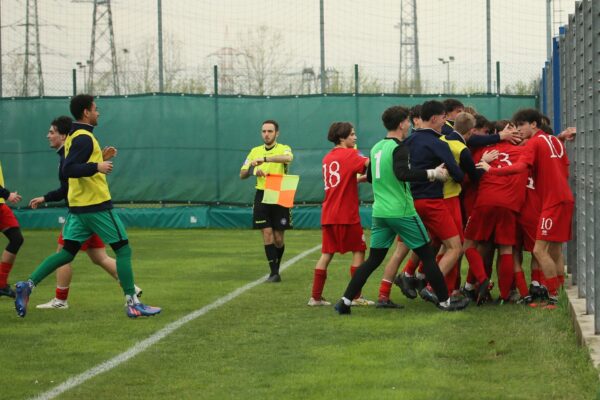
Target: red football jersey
{"type": "Point", "coordinates": [340, 167]}
{"type": "Point", "coordinates": [503, 191]}
{"type": "Point", "coordinates": [549, 164]}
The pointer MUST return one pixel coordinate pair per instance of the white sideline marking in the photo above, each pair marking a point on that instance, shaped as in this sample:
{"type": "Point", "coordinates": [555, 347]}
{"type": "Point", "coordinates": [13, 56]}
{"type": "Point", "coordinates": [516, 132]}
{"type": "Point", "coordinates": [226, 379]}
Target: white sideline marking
{"type": "Point", "coordinates": [164, 332]}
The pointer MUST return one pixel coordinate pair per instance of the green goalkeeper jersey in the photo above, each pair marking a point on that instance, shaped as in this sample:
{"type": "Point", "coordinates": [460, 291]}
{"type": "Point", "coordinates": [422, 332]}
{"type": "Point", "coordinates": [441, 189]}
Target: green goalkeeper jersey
{"type": "Point", "coordinates": [393, 198]}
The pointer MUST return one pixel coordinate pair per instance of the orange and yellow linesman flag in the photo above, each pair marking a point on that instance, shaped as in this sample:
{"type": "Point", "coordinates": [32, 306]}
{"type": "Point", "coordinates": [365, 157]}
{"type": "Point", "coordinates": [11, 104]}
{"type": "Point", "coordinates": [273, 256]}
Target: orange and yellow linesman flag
{"type": "Point", "coordinates": [280, 189]}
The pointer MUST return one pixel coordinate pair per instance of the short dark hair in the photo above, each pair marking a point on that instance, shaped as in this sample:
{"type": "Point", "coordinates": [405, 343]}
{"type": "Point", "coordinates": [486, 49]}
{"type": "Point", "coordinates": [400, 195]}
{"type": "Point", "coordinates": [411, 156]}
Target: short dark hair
{"type": "Point", "coordinates": [546, 129]}
{"type": "Point", "coordinates": [272, 121]}
{"type": "Point", "coordinates": [452, 104]}
{"type": "Point", "coordinates": [545, 120]}
{"type": "Point", "coordinates": [339, 131]}
{"type": "Point", "coordinates": [528, 115]}
{"type": "Point", "coordinates": [501, 124]}
{"type": "Point", "coordinates": [62, 124]}
{"type": "Point", "coordinates": [393, 116]}
{"type": "Point", "coordinates": [415, 112]}
{"type": "Point", "coordinates": [482, 122]}
{"type": "Point", "coordinates": [80, 103]}
{"type": "Point", "coordinates": [431, 108]}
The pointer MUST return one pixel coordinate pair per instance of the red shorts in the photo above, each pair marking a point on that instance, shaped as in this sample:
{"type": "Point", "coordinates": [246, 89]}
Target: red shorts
{"type": "Point", "coordinates": [554, 224]}
{"type": "Point", "coordinates": [341, 238]}
{"type": "Point", "coordinates": [468, 200]}
{"type": "Point", "coordinates": [94, 242]}
{"type": "Point", "coordinates": [7, 218]}
{"type": "Point", "coordinates": [526, 230]}
{"type": "Point", "coordinates": [453, 204]}
{"type": "Point", "coordinates": [437, 218]}
{"type": "Point", "coordinates": [497, 224]}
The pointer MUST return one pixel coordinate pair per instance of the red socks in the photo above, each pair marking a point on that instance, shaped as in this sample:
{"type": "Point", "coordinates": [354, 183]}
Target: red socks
{"type": "Point", "coordinates": [476, 267]}
{"type": "Point", "coordinates": [450, 279]}
{"type": "Point", "coordinates": [521, 283]}
{"type": "Point", "coordinates": [505, 275]}
{"type": "Point", "coordinates": [410, 268]}
{"type": "Point", "coordinates": [4, 271]}
{"type": "Point", "coordinates": [538, 275]}
{"type": "Point", "coordinates": [62, 293]}
{"type": "Point", "coordinates": [552, 284]}
{"type": "Point", "coordinates": [384, 289]}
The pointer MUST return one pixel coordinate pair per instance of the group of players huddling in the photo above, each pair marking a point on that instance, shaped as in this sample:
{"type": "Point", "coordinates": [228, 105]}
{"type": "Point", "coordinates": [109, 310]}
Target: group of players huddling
{"type": "Point", "coordinates": [457, 185]}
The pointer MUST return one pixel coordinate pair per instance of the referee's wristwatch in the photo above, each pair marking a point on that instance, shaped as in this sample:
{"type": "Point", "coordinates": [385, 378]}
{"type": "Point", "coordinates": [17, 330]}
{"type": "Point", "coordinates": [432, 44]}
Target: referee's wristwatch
{"type": "Point", "coordinates": [265, 158]}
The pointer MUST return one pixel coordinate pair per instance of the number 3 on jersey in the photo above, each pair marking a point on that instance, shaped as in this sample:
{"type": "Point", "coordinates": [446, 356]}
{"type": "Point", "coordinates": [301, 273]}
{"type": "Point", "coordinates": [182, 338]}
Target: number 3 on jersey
{"type": "Point", "coordinates": [331, 175]}
{"type": "Point", "coordinates": [504, 158]}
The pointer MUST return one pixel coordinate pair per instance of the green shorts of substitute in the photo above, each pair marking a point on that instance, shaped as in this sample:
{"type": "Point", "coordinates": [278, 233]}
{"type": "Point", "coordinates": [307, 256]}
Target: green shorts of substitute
{"type": "Point", "coordinates": [106, 224]}
{"type": "Point", "coordinates": [410, 229]}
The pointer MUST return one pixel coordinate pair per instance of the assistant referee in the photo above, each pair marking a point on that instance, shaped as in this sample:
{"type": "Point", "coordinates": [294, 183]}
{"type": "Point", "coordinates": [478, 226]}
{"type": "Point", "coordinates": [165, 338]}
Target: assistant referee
{"type": "Point", "coordinates": [271, 219]}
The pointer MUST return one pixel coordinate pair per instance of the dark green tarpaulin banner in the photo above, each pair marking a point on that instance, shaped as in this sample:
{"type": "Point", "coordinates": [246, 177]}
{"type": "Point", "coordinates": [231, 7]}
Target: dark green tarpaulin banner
{"type": "Point", "coordinates": [305, 217]}
{"type": "Point", "coordinates": [190, 148]}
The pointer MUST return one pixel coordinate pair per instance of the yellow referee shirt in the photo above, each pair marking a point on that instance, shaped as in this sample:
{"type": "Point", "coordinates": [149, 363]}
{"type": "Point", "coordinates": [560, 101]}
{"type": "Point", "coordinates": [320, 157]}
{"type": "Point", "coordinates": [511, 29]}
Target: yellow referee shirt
{"type": "Point", "coordinates": [260, 152]}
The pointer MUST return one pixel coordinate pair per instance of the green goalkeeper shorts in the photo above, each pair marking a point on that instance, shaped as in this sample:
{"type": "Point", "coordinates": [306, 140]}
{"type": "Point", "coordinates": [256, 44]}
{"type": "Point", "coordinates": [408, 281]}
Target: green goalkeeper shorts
{"type": "Point", "coordinates": [410, 229]}
{"type": "Point", "coordinates": [106, 224]}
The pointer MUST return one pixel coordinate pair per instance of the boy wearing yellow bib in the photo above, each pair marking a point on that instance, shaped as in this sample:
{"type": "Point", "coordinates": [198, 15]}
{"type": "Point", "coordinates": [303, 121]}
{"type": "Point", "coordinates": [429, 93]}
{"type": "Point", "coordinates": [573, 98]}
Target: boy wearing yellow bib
{"type": "Point", "coordinates": [90, 210]}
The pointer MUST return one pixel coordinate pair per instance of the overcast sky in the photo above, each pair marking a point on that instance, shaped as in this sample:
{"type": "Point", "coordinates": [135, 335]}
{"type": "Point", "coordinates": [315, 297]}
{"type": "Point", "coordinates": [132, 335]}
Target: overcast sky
{"type": "Point", "coordinates": [356, 32]}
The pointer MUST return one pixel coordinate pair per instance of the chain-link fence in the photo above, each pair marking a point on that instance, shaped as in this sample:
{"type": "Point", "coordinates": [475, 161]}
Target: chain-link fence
{"type": "Point", "coordinates": [268, 47]}
{"type": "Point", "coordinates": [571, 97]}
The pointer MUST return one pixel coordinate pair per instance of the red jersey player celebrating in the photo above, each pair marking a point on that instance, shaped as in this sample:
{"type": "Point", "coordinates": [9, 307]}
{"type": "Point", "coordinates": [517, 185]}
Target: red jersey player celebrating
{"type": "Point", "coordinates": [546, 157]}
{"type": "Point", "coordinates": [340, 221]}
{"type": "Point", "coordinates": [494, 218]}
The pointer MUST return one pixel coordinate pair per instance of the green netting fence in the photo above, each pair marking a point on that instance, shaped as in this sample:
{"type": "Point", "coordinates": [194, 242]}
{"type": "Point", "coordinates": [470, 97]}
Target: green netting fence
{"type": "Point", "coordinates": [183, 148]}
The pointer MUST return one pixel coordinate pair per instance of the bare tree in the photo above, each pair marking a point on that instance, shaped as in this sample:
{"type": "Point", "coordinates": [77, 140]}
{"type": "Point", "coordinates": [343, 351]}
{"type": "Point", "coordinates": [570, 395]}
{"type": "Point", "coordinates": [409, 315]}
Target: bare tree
{"type": "Point", "coordinates": [263, 62]}
{"type": "Point", "coordinates": [144, 79]}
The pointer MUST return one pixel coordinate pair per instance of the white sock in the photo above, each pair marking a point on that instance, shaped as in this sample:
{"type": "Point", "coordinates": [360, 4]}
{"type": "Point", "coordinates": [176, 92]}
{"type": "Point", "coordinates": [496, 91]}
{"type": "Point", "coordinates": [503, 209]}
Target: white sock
{"type": "Point", "coordinates": [420, 275]}
{"type": "Point", "coordinates": [469, 286]}
{"type": "Point", "coordinates": [131, 300]}
{"type": "Point", "coordinates": [346, 301]}
{"type": "Point", "coordinates": [408, 275]}
{"type": "Point", "coordinates": [535, 283]}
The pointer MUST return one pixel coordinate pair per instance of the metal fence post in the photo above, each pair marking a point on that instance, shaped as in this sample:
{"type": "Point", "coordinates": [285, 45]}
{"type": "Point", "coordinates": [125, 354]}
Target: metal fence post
{"type": "Point", "coordinates": [580, 168]}
{"type": "Point", "coordinates": [216, 79]}
{"type": "Point", "coordinates": [74, 76]}
{"type": "Point", "coordinates": [570, 101]}
{"type": "Point", "coordinates": [556, 84]}
{"type": "Point", "coordinates": [497, 77]}
{"type": "Point", "coordinates": [356, 80]}
{"type": "Point", "coordinates": [588, 109]}
{"type": "Point", "coordinates": [595, 65]}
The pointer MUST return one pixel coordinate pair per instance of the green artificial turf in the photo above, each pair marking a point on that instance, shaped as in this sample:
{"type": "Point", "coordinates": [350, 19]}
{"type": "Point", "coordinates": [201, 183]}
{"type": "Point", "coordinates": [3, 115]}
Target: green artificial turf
{"type": "Point", "coordinates": [267, 343]}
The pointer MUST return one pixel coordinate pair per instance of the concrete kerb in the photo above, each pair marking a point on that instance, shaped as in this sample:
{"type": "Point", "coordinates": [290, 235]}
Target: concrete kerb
{"type": "Point", "coordinates": [584, 326]}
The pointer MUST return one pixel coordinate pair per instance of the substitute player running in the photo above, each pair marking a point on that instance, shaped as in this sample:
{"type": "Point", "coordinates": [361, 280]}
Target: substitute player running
{"type": "Point", "coordinates": [271, 219]}
{"type": "Point", "coordinates": [94, 246]}
{"type": "Point", "coordinates": [90, 210]}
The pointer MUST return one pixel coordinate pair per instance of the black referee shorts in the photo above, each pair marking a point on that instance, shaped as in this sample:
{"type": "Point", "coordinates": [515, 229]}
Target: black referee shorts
{"type": "Point", "coordinates": [270, 215]}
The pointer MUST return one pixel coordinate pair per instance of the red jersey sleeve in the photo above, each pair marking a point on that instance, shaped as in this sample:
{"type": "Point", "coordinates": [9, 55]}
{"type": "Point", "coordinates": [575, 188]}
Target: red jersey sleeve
{"type": "Point", "coordinates": [357, 162]}
{"type": "Point", "coordinates": [528, 155]}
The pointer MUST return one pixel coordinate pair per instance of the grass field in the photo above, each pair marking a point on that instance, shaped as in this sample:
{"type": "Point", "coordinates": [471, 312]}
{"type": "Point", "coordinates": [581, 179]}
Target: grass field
{"type": "Point", "coordinates": [266, 343]}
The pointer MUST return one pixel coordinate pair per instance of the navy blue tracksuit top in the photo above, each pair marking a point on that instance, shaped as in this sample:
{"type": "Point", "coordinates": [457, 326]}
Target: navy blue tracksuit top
{"type": "Point", "coordinates": [427, 151]}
